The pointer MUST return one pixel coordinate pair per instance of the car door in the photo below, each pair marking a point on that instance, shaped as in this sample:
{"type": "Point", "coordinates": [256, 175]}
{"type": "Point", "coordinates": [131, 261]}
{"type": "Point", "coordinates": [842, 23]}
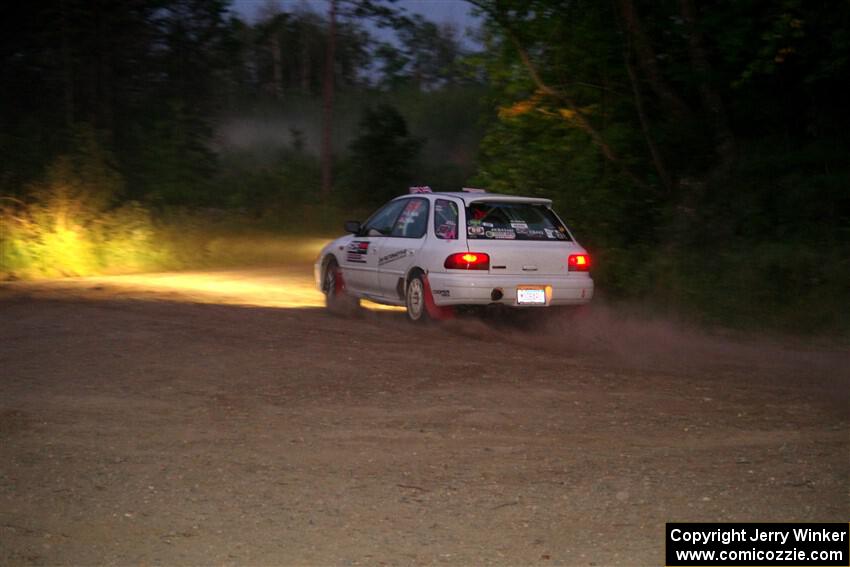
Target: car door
{"type": "Point", "coordinates": [397, 252]}
{"type": "Point", "coordinates": [360, 257]}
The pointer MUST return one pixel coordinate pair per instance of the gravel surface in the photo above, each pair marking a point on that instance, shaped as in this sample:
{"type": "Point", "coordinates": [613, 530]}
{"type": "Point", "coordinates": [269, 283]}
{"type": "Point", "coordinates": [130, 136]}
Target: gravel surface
{"type": "Point", "coordinates": [144, 425]}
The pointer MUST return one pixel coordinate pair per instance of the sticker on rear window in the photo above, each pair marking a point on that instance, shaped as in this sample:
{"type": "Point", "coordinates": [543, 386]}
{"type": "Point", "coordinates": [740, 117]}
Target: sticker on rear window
{"type": "Point", "coordinates": [508, 220]}
{"type": "Point", "coordinates": [501, 233]}
{"type": "Point", "coordinates": [445, 219]}
{"type": "Point", "coordinates": [447, 230]}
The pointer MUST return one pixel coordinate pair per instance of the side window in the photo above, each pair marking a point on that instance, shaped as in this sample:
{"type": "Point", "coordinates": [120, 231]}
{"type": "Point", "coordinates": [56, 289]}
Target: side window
{"type": "Point", "coordinates": [445, 219]}
{"type": "Point", "coordinates": [381, 223]}
{"type": "Point", "coordinates": [413, 220]}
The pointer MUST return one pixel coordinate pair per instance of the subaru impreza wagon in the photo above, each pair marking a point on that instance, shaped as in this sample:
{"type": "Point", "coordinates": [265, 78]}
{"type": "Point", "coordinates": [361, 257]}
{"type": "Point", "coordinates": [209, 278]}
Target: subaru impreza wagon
{"type": "Point", "coordinates": [432, 252]}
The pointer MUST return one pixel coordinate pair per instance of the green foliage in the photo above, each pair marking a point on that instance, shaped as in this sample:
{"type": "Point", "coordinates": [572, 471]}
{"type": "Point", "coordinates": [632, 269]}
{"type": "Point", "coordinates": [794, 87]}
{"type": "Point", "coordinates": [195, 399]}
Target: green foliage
{"type": "Point", "coordinates": [791, 286]}
{"type": "Point", "coordinates": [70, 227]}
{"type": "Point", "coordinates": [34, 245]}
{"type": "Point", "coordinates": [428, 57]}
{"type": "Point", "coordinates": [754, 232]}
{"type": "Point", "coordinates": [448, 120]}
{"type": "Point", "coordinates": [382, 156]}
{"type": "Point", "coordinates": [172, 164]}
{"type": "Point", "coordinates": [265, 187]}
{"type": "Point", "coordinates": [536, 146]}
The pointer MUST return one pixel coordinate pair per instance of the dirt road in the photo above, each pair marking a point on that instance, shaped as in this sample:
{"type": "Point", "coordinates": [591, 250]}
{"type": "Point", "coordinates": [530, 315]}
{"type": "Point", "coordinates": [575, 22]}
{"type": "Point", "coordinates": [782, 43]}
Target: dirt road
{"type": "Point", "coordinates": [155, 421]}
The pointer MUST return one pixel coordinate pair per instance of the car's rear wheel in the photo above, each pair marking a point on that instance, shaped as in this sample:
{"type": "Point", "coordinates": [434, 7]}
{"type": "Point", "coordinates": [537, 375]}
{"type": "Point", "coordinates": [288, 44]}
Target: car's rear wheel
{"type": "Point", "coordinates": [417, 311]}
{"type": "Point", "coordinates": [337, 300]}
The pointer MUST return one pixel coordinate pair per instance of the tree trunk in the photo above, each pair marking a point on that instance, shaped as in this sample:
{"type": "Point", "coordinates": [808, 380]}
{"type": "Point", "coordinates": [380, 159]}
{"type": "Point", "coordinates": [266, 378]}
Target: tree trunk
{"type": "Point", "coordinates": [648, 61]}
{"type": "Point", "coordinates": [724, 140]}
{"type": "Point", "coordinates": [277, 66]}
{"type": "Point", "coordinates": [634, 34]}
{"type": "Point", "coordinates": [304, 66]}
{"type": "Point", "coordinates": [103, 83]}
{"type": "Point", "coordinates": [657, 159]}
{"type": "Point", "coordinates": [67, 69]}
{"type": "Point", "coordinates": [328, 104]}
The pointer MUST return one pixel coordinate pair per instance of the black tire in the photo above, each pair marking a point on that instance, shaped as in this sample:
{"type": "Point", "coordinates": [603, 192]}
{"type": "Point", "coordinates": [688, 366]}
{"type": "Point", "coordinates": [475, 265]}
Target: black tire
{"type": "Point", "coordinates": [414, 299]}
{"type": "Point", "coordinates": [337, 301]}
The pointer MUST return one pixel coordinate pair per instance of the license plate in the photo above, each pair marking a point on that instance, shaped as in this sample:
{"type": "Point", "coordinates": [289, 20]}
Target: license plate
{"type": "Point", "coordinates": [531, 296]}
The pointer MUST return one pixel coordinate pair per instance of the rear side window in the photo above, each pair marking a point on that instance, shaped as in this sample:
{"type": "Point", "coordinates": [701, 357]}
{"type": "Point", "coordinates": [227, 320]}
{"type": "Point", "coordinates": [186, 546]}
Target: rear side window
{"type": "Point", "coordinates": [445, 219]}
{"type": "Point", "coordinates": [513, 221]}
{"type": "Point", "coordinates": [413, 220]}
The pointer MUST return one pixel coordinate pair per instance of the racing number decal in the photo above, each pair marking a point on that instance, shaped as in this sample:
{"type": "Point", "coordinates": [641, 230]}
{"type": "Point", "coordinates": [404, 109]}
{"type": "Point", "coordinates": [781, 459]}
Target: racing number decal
{"type": "Point", "coordinates": [356, 251]}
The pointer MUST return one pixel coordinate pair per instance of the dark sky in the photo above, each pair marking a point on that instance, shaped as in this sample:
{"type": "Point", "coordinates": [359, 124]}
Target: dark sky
{"type": "Point", "coordinates": [457, 12]}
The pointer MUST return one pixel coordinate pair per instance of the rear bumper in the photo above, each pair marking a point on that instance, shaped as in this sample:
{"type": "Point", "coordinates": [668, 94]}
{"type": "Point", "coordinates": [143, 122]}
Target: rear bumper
{"type": "Point", "coordinates": [477, 289]}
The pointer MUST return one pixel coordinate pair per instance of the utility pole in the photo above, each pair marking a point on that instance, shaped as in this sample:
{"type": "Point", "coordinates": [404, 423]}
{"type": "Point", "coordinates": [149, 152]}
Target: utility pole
{"type": "Point", "coordinates": [328, 105]}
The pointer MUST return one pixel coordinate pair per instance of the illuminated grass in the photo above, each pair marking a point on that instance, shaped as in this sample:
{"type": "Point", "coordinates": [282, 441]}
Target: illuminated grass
{"type": "Point", "coordinates": [64, 240]}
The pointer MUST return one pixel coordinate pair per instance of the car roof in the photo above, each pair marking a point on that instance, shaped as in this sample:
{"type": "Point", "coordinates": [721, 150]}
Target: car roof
{"type": "Point", "coordinates": [470, 197]}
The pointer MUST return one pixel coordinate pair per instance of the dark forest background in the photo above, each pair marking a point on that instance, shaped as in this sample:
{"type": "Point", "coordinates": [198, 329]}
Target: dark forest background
{"type": "Point", "coordinates": [698, 148]}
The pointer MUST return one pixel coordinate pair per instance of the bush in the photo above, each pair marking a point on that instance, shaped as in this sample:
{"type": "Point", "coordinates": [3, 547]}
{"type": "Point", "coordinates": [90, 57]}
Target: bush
{"type": "Point", "coordinates": [61, 234]}
{"type": "Point", "coordinates": [71, 226]}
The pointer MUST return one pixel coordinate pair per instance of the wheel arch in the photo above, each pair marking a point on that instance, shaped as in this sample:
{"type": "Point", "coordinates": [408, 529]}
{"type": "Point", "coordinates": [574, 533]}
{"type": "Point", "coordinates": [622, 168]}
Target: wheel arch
{"type": "Point", "coordinates": [433, 311]}
{"type": "Point", "coordinates": [412, 271]}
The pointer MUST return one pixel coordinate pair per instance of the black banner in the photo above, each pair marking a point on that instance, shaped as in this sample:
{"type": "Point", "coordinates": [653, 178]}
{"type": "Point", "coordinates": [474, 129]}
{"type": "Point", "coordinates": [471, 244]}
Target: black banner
{"type": "Point", "coordinates": [762, 545]}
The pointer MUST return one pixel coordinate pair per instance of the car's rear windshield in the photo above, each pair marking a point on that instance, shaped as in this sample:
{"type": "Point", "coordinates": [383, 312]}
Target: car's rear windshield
{"type": "Point", "coordinates": [493, 220]}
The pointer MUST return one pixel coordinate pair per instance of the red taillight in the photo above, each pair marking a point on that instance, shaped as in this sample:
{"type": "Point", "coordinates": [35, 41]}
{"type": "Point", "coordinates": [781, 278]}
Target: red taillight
{"type": "Point", "coordinates": [578, 263]}
{"type": "Point", "coordinates": [468, 261]}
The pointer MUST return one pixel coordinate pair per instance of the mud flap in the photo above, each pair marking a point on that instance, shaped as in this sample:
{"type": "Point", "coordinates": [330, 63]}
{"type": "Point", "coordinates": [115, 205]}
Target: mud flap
{"type": "Point", "coordinates": [435, 312]}
{"type": "Point", "coordinates": [339, 282]}
{"type": "Point", "coordinates": [337, 300]}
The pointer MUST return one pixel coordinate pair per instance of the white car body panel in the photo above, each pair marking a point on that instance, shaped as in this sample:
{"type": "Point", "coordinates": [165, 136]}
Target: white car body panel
{"type": "Point", "coordinates": [452, 289]}
{"type": "Point", "coordinates": [359, 264]}
{"type": "Point", "coordinates": [395, 257]}
{"type": "Point", "coordinates": [372, 266]}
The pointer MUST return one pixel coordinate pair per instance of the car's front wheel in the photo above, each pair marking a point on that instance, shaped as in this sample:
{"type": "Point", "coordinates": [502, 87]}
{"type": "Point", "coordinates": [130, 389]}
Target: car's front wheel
{"type": "Point", "coordinates": [337, 300]}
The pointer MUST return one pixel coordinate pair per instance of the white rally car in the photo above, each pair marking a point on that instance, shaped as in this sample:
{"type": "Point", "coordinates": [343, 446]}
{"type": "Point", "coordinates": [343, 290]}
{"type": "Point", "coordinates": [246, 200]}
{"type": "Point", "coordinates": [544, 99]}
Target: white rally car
{"type": "Point", "coordinates": [431, 252]}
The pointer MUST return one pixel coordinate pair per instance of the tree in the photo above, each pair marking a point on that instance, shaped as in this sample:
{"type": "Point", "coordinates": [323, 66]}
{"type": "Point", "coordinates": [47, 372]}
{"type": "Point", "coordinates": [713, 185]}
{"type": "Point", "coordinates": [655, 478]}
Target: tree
{"type": "Point", "coordinates": [327, 103]}
{"type": "Point", "coordinates": [697, 141]}
{"type": "Point", "coordinates": [383, 155]}
{"type": "Point", "coordinates": [361, 9]}
{"type": "Point", "coordinates": [428, 55]}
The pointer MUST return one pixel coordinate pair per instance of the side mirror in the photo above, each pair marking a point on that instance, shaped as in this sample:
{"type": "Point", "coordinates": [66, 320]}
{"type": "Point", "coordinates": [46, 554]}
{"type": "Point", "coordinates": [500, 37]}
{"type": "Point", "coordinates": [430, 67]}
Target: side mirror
{"type": "Point", "coordinates": [352, 226]}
